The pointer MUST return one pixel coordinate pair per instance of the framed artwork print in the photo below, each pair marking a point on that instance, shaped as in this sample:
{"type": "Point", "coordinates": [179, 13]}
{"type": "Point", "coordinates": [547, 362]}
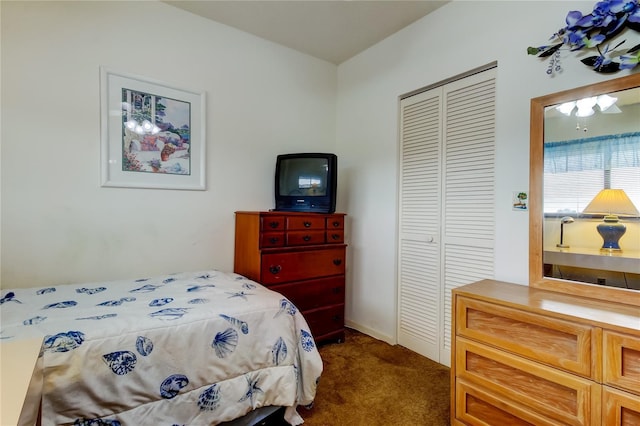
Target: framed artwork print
{"type": "Point", "coordinates": [519, 201]}
{"type": "Point", "coordinates": [152, 133]}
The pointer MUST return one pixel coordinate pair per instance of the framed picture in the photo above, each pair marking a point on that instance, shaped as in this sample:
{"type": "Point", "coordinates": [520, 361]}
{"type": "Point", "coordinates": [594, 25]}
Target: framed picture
{"type": "Point", "coordinates": [152, 133]}
{"type": "Point", "coordinates": [520, 201]}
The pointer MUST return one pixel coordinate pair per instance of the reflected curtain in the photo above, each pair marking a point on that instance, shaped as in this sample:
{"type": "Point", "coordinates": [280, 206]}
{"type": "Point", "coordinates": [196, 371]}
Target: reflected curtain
{"type": "Point", "coordinates": [600, 152]}
{"type": "Point", "coordinates": [576, 170]}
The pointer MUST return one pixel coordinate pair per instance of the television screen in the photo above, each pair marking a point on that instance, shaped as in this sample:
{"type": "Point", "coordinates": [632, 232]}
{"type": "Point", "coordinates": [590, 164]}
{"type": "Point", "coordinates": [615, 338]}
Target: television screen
{"type": "Point", "coordinates": [306, 182]}
{"type": "Point", "coordinates": [304, 177]}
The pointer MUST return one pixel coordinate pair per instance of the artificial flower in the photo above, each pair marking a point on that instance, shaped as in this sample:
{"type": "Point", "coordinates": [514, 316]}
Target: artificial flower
{"type": "Point", "coordinates": [607, 20]}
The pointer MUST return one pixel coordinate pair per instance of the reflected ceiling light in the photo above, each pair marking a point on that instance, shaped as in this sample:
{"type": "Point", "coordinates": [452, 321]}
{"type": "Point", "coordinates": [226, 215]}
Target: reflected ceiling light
{"type": "Point", "coordinates": [146, 127]}
{"type": "Point", "coordinates": [613, 109]}
{"type": "Point", "coordinates": [585, 106]}
{"type": "Point", "coordinates": [566, 107]}
{"type": "Point", "coordinates": [605, 102]}
{"type": "Point", "coordinates": [584, 112]}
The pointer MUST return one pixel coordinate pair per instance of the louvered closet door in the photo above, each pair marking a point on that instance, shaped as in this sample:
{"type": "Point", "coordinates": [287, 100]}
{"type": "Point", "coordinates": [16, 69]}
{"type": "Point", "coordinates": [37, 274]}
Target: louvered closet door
{"type": "Point", "coordinates": [446, 206]}
{"type": "Point", "coordinates": [419, 226]}
{"type": "Point", "coordinates": [468, 189]}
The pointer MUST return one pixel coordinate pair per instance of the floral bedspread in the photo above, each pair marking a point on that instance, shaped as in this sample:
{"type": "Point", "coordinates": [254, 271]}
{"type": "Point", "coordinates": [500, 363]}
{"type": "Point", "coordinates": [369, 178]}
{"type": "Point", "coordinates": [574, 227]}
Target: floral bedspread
{"type": "Point", "coordinates": [183, 349]}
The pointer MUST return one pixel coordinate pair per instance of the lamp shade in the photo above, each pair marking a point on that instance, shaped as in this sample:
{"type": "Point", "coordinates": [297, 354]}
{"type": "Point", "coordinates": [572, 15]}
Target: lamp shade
{"type": "Point", "coordinates": [612, 202]}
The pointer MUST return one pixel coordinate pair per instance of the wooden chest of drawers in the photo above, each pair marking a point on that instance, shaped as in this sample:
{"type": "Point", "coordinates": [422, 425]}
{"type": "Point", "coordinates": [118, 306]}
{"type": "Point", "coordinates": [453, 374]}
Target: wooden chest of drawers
{"type": "Point", "coordinates": [525, 356]}
{"type": "Point", "coordinates": [302, 256]}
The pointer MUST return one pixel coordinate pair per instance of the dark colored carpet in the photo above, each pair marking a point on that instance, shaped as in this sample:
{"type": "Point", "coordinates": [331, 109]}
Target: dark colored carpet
{"type": "Point", "coordinates": [369, 382]}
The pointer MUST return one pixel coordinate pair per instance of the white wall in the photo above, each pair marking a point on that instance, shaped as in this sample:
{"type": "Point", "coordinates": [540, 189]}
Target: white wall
{"type": "Point", "coordinates": [458, 37]}
{"type": "Point", "coordinates": [58, 224]}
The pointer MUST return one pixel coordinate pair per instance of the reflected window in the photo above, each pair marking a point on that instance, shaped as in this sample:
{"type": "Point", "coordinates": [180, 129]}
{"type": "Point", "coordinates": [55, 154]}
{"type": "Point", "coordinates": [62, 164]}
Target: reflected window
{"type": "Point", "coordinates": [576, 170]}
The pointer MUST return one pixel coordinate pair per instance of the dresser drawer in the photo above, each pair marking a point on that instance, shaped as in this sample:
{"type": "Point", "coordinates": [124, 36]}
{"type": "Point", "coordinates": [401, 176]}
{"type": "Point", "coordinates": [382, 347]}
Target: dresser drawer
{"type": "Point", "coordinates": [620, 408]}
{"type": "Point", "coordinates": [621, 361]}
{"type": "Point", "coordinates": [312, 294]}
{"type": "Point", "coordinates": [326, 320]}
{"type": "Point", "coordinates": [272, 223]}
{"type": "Point", "coordinates": [335, 236]}
{"type": "Point", "coordinates": [301, 238]}
{"type": "Point", "coordinates": [478, 407]}
{"type": "Point", "coordinates": [555, 394]}
{"type": "Point", "coordinates": [272, 239]}
{"type": "Point", "coordinates": [305, 222]}
{"type": "Point", "coordinates": [567, 345]}
{"type": "Point", "coordinates": [301, 265]}
{"type": "Point", "coordinates": [335, 222]}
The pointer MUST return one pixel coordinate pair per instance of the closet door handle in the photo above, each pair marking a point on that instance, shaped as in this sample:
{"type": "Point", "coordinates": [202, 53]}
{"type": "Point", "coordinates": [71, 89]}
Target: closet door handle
{"type": "Point", "coordinates": [274, 269]}
{"type": "Point", "coordinates": [337, 262]}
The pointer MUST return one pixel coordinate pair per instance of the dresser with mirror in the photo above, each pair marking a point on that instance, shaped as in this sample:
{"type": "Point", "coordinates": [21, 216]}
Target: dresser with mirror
{"type": "Point", "coordinates": [566, 348]}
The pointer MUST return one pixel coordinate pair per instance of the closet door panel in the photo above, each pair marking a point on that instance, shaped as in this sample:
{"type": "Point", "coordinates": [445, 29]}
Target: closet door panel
{"type": "Point", "coordinates": [419, 223]}
{"type": "Point", "coordinates": [467, 188]}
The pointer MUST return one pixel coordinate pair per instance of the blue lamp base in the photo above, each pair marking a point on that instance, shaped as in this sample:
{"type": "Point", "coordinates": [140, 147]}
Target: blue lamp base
{"type": "Point", "coordinates": [611, 230]}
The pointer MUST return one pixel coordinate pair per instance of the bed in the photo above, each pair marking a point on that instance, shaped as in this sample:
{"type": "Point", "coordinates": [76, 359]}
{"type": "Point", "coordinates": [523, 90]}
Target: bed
{"type": "Point", "coordinates": [184, 349]}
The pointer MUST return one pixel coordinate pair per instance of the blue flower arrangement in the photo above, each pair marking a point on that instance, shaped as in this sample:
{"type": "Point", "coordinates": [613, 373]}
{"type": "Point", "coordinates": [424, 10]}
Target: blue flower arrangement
{"type": "Point", "coordinates": [596, 30]}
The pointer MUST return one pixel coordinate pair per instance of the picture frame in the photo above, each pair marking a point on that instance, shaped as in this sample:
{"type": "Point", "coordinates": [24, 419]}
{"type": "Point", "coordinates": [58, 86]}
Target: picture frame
{"type": "Point", "coordinates": [152, 133]}
{"type": "Point", "coordinates": [520, 201]}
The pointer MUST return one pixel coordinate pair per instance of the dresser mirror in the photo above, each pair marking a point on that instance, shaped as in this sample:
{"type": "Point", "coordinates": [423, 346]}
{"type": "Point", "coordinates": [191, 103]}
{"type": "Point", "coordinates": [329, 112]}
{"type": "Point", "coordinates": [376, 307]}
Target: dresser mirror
{"type": "Point", "coordinates": [582, 141]}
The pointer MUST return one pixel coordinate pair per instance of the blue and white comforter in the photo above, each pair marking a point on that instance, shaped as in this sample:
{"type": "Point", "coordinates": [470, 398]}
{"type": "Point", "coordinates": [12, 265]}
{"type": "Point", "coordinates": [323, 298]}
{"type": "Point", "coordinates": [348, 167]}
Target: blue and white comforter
{"type": "Point", "coordinates": [188, 349]}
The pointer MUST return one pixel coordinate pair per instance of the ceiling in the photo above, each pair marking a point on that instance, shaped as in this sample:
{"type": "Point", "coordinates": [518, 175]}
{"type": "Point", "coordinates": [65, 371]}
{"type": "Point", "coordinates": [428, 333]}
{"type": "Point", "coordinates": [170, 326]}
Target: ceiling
{"type": "Point", "coordinates": [331, 30]}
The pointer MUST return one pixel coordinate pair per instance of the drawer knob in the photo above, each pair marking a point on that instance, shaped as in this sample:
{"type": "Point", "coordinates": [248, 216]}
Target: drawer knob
{"type": "Point", "coordinates": [273, 224]}
{"type": "Point", "coordinates": [274, 269]}
{"type": "Point", "coordinates": [273, 240]}
{"type": "Point", "coordinates": [337, 262]}
{"type": "Point", "coordinates": [336, 224]}
{"type": "Point", "coordinates": [337, 290]}
{"type": "Point", "coordinates": [336, 318]}
{"type": "Point", "coordinates": [335, 236]}
{"type": "Point", "coordinates": [307, 238]}
{"type": "Point", "coordinates": [306, 224]}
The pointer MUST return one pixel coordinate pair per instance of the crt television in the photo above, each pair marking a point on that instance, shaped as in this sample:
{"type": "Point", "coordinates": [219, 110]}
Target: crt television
{"type": "Point", "coordinates": [306, 182]}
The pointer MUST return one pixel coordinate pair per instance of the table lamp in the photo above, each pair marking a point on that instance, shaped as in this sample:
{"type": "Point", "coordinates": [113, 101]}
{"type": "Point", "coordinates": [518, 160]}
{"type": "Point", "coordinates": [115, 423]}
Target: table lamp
{"type": "Point", "coordinates": [611, 203]}
{"type": "Point", "coordinates": [563, 221]}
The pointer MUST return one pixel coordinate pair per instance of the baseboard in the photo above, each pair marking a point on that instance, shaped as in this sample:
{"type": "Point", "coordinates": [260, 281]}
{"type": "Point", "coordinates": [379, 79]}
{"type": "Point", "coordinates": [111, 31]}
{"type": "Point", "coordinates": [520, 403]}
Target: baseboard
{"type": "Point", "coordinates": [373, 333]}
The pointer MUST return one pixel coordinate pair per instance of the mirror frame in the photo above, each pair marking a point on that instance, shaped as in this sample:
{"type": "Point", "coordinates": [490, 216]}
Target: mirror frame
{"type": "Point", "coordinates": [536, 218]}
